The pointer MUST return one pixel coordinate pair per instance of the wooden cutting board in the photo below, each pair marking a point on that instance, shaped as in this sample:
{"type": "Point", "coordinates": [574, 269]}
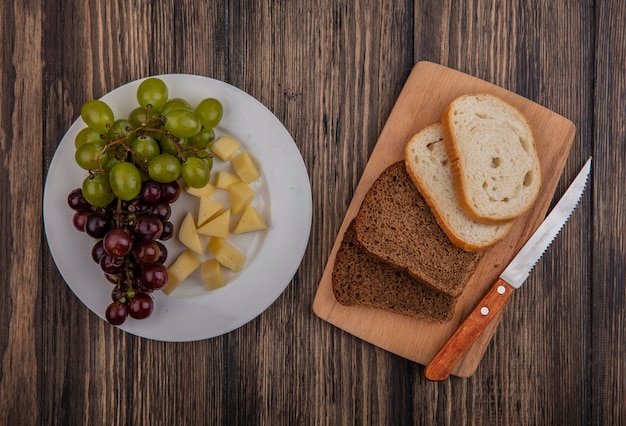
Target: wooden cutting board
{"type": "Point", "coordinates": [427, 91]}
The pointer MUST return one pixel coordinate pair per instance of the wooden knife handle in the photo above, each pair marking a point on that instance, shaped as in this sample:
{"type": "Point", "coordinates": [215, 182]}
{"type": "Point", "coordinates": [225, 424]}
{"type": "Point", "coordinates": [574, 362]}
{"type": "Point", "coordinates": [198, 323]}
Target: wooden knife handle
{"type": "Point", "coordinates": [442, 364]}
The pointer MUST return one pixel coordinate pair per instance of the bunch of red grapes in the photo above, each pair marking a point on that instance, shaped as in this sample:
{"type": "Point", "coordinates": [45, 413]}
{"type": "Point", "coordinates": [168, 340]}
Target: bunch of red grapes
{"type": "Point", "coordinates": [129, 246]}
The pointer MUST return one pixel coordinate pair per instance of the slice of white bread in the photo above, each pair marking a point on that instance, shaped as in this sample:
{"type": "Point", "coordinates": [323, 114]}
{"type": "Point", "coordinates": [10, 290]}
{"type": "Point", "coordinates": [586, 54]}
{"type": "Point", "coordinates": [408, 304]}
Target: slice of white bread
{"type": "Point", "coordinates": [427, 163]}
{"type": "Point", "coordinates": [493, 157]}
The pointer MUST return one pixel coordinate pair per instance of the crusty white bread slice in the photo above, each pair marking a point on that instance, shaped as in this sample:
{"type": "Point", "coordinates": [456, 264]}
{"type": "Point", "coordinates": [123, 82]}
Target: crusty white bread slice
{"type": "Point", "coordinates": [493, 157]}
{"type": "Point", "coordinates": [428, 166]}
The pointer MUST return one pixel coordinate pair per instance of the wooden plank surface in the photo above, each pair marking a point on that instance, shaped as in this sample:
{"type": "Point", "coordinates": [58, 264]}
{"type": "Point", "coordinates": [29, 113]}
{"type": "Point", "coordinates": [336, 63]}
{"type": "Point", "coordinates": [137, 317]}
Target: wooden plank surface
{"type": "Point", "coordinates": [608, 316]}
{"type": "Point", "coordinates": [331, 72]}
{"type": "Point", "coordinates": [426, 93]}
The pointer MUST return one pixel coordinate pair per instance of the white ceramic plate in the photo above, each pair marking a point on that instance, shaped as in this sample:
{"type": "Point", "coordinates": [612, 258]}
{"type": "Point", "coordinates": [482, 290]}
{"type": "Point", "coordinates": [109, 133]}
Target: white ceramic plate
{"type": "Point", "coordinates": [283, 197]}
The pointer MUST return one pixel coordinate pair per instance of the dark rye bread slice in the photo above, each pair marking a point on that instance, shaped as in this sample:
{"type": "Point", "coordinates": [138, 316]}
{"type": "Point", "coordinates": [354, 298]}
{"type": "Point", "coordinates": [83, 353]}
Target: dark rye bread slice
{"type": "Point", "coordinates": [360, 279]}
{"type": "Point", "coordinates": [396, 225]}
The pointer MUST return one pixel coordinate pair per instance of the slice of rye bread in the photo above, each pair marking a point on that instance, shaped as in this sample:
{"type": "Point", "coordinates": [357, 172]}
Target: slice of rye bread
{"type": "Point", "coordinates": [359, 279]}
{"type": "Point", "coordinates": [395, 224]}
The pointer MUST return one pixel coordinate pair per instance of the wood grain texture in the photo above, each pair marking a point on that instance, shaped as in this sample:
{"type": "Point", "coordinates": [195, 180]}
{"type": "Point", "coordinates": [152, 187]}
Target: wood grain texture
{"type": "Point", "coordinates": [21, 142]}
{"type": "Point", "coordinates": [331, 71]}
{"type": "Point", "coordinates": [608, 316]}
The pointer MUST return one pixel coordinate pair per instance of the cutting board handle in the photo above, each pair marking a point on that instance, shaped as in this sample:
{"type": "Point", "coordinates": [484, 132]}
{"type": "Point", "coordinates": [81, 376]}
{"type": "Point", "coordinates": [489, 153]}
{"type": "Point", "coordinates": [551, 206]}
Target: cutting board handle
{"type": "Point", "coordinates": [468, 332]}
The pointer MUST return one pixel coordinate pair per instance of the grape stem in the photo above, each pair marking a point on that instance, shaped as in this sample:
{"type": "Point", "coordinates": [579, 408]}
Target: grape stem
{"type": "Point", "coordinates": [180, 150]}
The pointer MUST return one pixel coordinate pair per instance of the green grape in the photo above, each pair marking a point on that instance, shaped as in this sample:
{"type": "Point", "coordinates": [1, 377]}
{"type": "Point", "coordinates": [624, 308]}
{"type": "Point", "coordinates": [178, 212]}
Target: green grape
{"type": "Point", "coordinates": [97, 115]}
{"type": "Point", "coordinates": [168, 145]}
{"type": "Point", "coordinates": [210, 112]}
{"type": "Point", "coordinates": [196, 172]}
{"type": "Point", "coordinates": [174, 103]}
{"type": "Point", "coordinates": [110, 162]}
{"type": "Point", "coordinates": [87, 135]}
{"type": "Point", "coordinates": [97, 190]}
{"type": "Point", "coordinates": [208, 161]}
{"type": "Point", "coordinates": [182, 123]}
{"type": "Point", "coordinates": [152, 91]}
{"type": "Point", "coordinates": [120, 128]}
{"type": "Point", "coordinates": [138, 116]}
{"type": "Point", "coordinates": [86, 154]}
{"type": "Point", "coordinates": [144, 149]}
{"type": "Point", "coordinates": [164, 168]}
{"type": "Point", "coordinates": [125, 181]}
{"type": "Point", "coordinates": [144, 174]}
{"type": "Point", "coordinates": [203, 138]}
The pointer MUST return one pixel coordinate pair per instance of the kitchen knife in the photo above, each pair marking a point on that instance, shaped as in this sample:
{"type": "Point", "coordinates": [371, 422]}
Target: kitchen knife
{"type": "Point", "coordinates": [511, 278]}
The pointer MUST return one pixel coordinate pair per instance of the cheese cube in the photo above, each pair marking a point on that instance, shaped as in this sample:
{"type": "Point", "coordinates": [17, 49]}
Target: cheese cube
{"type": "Point", "coordinates": [225, 147]}
{"type": "Point", "coordinates": [218, 226]}
{"type": "Point", "coordinates": [249, 221]}
{"type": "Point", "coordinates": [188, 234]}
{"type": "Point", "coordinates": [212, 275]}
{"type": "Point", "coordinates": [208, 209]}
{"type": "Point", "coordinates": [240, 196]}
{"type": "Point", "coordinates": [224, 179]}
{"type": "Point", "coordinates": [205, 191]}
{"type": "Point", "coordinates": [178, 271]}
{"type": "Point", "coordinates": [244, 167]}
{"type": "Point", "coordinates": [226, 254]}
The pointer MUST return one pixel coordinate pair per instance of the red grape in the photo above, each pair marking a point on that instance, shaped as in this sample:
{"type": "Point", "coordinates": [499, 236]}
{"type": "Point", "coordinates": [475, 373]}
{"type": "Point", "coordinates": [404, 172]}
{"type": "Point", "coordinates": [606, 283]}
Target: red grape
{"type": "Point", "coordinates": [80, 218]}
{"type": "Point", "coordinates": [148, 227]}
{"type": "Point", "coordinates": [168, 231]}
{"type": "Point", "coordinates": [150, 191]}
{"type": "Point", "coordinates": [154, 276]}
{"type": "Point", "coordinates": [97, 225]}
{"type": "Point", "coordinates": [140, 306]}
{"type": "Point", "coordinates": [162, 211]}
{"type": "Point", "coordinates": [118, 292]}
{"type": "Point", "coordinates": [97, 251]}
{"type": "Point", "coordinates": [111, 265]}
{"type": "Point", "coordinates": [170, 192]}
{"type": "Point", "coordinates": [162, 253]}
{"type": "Point", "coordinates": [76, 201]}
{"type": "Point", "coordinates": [118, 242]}
{"type": "Point", "coordinates": [146, 252]}
{"type": "Point", "coordinates": [116, 313]}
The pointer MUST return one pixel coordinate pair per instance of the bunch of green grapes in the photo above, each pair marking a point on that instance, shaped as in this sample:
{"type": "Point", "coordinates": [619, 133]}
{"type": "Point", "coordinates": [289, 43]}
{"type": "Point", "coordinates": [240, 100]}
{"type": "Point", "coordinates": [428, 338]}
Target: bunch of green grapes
{"type": "Point", "coordinates": [134, 166]}
{"type": "Point", "coordinates": [162, 138]}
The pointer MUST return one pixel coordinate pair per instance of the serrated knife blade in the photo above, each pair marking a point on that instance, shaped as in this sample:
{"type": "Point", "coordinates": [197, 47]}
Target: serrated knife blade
{"type": "Point", "coordinates": [511, 278]}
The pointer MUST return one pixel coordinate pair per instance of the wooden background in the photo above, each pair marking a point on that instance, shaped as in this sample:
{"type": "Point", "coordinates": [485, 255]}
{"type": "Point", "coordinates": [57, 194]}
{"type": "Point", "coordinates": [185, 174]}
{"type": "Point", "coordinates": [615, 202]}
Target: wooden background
{"type": "Point", "coordinates": [330, 71]}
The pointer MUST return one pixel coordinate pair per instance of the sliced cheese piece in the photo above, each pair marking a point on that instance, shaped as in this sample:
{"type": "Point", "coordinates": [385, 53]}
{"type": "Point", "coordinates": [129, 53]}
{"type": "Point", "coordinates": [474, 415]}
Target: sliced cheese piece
{"type": "Point", "coordinates": [188, 235]}
{"type": "Point", "coordinates": [178, 271]}
{"type": "Point", "coordinates": [208, 209]}
{"type": "Point", "coordinates": [226, 254]}
{"type": "Point", "coordinates": [241, 196]}
{"type": "Point", "coordinates": [224, 179]}
{"type": "Point", "coordinates": [244, 167]}
{"type": "Point", "coordinates": [218, 226]}
{"type": "Point", "coordinates": [225, 147]}
{"type": "Point", "coordinates": [205, 191]}
{"type": "Point", "coordinates": [249, 221]}
{"type": "Point", "coordinates": [212, 275]}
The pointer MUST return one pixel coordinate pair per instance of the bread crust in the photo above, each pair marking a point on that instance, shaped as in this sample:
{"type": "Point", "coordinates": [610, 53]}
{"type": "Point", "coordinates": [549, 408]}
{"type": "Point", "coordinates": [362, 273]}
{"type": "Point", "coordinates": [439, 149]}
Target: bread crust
{"type": "Point", "coordinates": [451, 142]}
